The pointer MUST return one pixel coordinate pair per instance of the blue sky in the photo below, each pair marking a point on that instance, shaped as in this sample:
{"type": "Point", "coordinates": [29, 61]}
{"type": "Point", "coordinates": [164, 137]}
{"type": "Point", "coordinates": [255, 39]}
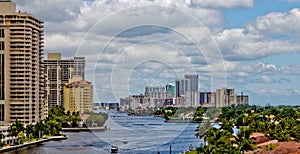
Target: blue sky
{"type": "Point", "coordinates": [130, 44]}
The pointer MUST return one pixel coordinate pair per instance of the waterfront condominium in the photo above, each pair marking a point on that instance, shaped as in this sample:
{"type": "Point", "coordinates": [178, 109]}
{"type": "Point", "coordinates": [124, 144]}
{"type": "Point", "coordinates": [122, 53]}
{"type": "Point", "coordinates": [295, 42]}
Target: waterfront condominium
{"type": "Point", "coordinates": [58, 72]}
{"type": "Point", "coordinates": [21, 68]}
{"type": "Point", "coordinates": [78, 95]}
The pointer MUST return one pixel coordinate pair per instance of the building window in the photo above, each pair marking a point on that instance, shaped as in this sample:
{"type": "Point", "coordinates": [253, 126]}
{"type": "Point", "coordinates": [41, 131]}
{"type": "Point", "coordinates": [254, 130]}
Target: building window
{"type": "Point", "coordinates": [2, 33]}
{"type": "Point", "coordinates": [2, 45]}
{"type": "Point", "coordinates": [2, 75]}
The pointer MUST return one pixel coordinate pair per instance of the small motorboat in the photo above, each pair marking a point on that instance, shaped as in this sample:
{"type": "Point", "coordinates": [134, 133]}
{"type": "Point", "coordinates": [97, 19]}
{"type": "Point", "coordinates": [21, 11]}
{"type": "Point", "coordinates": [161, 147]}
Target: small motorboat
{"type": "Point", "coordinates": [125, 141]}
{"type": "Point", "coordinates": [114, 149]}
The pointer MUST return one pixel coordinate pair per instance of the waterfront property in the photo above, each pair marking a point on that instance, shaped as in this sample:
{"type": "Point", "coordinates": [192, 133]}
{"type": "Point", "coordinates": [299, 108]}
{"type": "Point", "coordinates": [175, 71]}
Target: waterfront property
{"type": "Point", "coordinates": [261, 130]}
{"type": "Point", "coordinates": [59, 71]}
{"type": "Point", "coordinates": [22, 78]}
{"type": "Point", "coordinates": [32, 143]}
{"type": "Point", "coordinates": [78, 95]}
{"type": "Point", "coordinates": [7, 139]}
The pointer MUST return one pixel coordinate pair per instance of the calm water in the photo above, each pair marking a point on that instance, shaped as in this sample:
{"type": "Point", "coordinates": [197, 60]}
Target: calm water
{"type": "Point", "coordinates": [145, 134]}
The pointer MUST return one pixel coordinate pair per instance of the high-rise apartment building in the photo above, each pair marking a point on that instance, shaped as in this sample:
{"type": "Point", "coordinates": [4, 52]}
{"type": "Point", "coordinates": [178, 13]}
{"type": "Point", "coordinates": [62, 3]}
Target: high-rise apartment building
{"type": "Point", "coordinates": [21, 68]}
{"type": "Point", "coordinates": [182, 86]}
{"type": "Point", "coordinates": [227, 97]}
{"type": "Point", "coordinates": [58, 73]}
{"type": "Point", "coordinates": [78, 95]}
{"type": "Point", "coordinates": [157, 92]}
{"type": "Point", "coordinates": [193, 81]}
{"type": "Point", "coordinates": [208, 99]}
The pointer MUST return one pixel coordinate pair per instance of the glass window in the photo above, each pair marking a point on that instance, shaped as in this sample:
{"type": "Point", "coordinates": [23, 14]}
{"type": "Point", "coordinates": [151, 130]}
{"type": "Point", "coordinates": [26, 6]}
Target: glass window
{"type": "Point", "coordinates": [2, 33]}
{"type": "Point", "coordinates": [2, 45]}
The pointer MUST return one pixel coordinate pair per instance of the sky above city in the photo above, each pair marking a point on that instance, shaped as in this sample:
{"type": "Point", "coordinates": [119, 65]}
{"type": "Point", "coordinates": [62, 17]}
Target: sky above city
{"type": "Point", "coordinates": [252, 46]}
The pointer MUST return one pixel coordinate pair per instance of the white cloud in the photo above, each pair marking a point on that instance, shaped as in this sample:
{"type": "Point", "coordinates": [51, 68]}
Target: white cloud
{"type": "Point", "coordinates": [278, 23]}
{"type": "Point", "coordinates": [290, 69]}
{"type": "Point", "coordinates": [51, 10]}
{"type": "Point", "coordinates": [67, 25]}
{"type": "Point", "coordinates": [240, 44]}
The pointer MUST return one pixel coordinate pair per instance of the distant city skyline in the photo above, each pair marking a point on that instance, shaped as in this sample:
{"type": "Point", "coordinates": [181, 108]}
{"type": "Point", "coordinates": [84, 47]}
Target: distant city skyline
{"type": "Point", "coordinates": [258, 42]}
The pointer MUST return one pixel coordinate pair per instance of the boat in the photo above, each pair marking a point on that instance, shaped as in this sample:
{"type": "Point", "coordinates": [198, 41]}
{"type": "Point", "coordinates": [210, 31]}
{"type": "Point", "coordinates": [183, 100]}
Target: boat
{"type": "Point", "coordinates": [125, 141]}
{"type": "Point", "coordinates": [114, 149]}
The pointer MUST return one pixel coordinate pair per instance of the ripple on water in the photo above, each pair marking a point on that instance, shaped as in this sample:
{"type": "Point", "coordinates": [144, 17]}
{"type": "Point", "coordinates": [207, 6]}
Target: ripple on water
{"type": "Point", "coordinates": [145, 135]}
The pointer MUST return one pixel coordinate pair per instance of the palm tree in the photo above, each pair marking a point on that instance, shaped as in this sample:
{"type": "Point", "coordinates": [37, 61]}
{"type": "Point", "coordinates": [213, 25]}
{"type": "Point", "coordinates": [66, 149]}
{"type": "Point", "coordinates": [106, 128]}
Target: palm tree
{"type": "Point", "coordinates": [29, 130]}
{"type": "Point", "coordinates": [227, 125]}
{"type": "Point", "coordinates": [39, 129]}
{"type": "Point", "coordinates": [243, 140]}
{"type": "Point", "coordinates": [16, 128]}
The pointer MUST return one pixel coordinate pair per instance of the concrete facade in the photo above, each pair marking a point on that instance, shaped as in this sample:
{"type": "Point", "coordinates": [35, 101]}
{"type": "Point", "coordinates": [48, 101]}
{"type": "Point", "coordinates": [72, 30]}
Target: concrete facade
{"type": "Point", "coordinates": [78, 95]}
{"type": "Point", "coordinates": [59, 72]}
{"type": "Point", "coordinates": [226, 97]}
{"type": "Point", "coordinates": [21, 68]}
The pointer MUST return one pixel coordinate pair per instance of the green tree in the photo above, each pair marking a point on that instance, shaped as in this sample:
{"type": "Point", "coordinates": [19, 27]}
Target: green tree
{"type": "Point", "coordinates": [21, 137]}
{"type": "Point", "coordinates": [16, 128]}
{"type": "Point", "coordinates": [54, 127]}
{"type": "Point", "coordinates": [39, 129]}
{"type": "Point", "coordinates": [1, 138]}
{"type": "Point", "coordinates": [244, 141]}
{"type": "Point", "coordinates": [29, 131]}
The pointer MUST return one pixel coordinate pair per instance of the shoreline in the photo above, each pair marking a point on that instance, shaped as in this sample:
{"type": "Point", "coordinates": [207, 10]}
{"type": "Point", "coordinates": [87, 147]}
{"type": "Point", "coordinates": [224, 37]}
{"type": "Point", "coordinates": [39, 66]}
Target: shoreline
{"type": "Point", "coordinates": [84, 129]}
{"type": "Point", "coordinates": [180, 121]}
{"type": "Point", "coordinates": [33, 143]}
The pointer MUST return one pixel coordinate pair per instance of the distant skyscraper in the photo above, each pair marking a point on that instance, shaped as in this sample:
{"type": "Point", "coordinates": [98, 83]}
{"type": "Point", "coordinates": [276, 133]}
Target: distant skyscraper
{"type": "Point", "coordinates": [21, 69]}
{"type": "Point", "coordinates": [59, 72]}
{"type": "Point", "coordinates": [193, 81]}
{"type": "Point", "coordinates": [182, 86]}
{"type": "Point", "coordinates": [171, 88]}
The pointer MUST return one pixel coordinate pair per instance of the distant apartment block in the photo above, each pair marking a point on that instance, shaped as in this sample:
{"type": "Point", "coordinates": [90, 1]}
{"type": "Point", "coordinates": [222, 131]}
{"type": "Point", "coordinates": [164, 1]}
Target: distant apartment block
{"type": "Point", "coordinates": [157, 92]}
{"type": "Point", "coordinates": [187, 93]}
{"type": "Point", "coordinates": [208, 99]}
{"type": "Point", "coordinates": [109, 105]}
{"type": "Point", "coordinates": [58, 72]}
{"type": "Point", "coordinates": [182, 86]}
{"type": "Point", "coordinates": [227, 97]}
{"type": "Point", "coordinates": [134, 101]}
{"type": "Point", "coordinates": [21, 68]}
{"type": "Point", "coordinates": [78, 95]}
{"type": "Point", "coordinates": [193, 78]}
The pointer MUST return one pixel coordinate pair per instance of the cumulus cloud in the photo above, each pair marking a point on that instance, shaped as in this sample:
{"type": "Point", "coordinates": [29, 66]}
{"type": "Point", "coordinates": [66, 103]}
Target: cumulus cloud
{"type": "Point", "coordinates": [51, 11]}
{"type": "Point", "coordinates": [146, 40]}
{"type": "Point", "coordinates": [278, 23]}
{"type": "Point", "coordinates": [241, 44]}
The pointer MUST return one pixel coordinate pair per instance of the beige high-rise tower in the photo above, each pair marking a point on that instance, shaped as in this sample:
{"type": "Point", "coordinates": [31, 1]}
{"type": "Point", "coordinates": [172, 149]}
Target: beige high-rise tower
{"type": "Point", "coordinates": [21, 69]}
{"type": "Point", "coordinates": [78, 95]}
{"type": "Point", "coordinates": [59, 71]}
